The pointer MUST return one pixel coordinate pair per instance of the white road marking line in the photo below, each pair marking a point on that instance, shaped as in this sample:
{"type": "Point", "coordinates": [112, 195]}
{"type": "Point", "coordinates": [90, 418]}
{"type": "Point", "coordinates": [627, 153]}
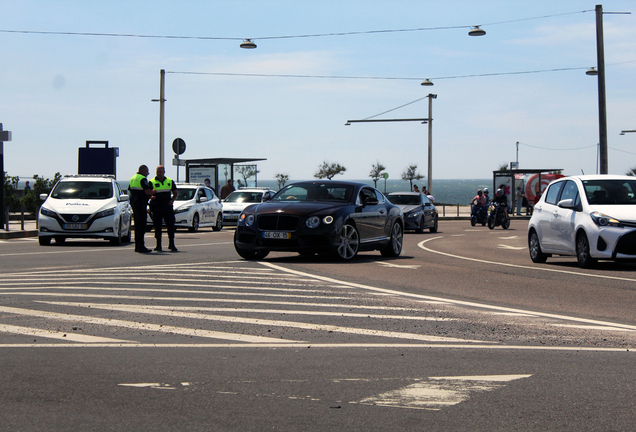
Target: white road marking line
{"type": "Point", "coordinates": [143, 326]}
{"type": "Point", "coordinates": [591, 327]}
{"type": "Point", "coordinates": [165, 282]}
{"type": "Point", "coordinates": [274, 323]}
{"type": "Point", "coordinates": [285, 303]}
{"type": "Point", "coordinates": [304, 345]}
{"type": "Point", "coordinates": [388, 264]}
{"type": "Point", "coordinates": [60, 285]}
{"type": "Point", "coordinates": [508, 238]}
{"type": "Point", "coordinates": [502, 246]}
{"type": "Point", "coordinates": [46, 294]}
{"type": "Point", "coordinates": [438, 392]}
{"type": "Point", "coordinates": [76, 337]}
{"type": "Point", "coordinates": [456, 302]}
{"type": "Point", "coordinates": [592, 275]}
{"type": "Point", "coordinates": [272, 311]}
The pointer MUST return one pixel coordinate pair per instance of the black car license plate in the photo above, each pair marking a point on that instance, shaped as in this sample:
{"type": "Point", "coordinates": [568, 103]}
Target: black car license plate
{"type": "Point", "coordinates": [276, 235]}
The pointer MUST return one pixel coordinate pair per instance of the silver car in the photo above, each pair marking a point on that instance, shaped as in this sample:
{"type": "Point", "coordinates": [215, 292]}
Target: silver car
{"type": "Point", "coordinates": [591, 217]}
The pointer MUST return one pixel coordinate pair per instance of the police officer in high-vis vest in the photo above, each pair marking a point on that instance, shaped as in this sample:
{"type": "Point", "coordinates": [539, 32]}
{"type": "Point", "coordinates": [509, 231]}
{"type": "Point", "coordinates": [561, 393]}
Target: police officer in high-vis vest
{"type": "Point", "coordinates": [140, 192]}
{"type": "Point", "coordinates": [161, 207]}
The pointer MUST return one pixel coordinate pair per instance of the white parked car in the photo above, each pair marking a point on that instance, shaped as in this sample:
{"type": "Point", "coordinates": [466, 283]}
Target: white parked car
{"type": "Point", "coordinates": [85, 206]}
{"type": "Point", "coordinates": [235, 203]}
{"type": "Point", "coordinates": [592, 217]}
{"type": "Point", "coordinates": [196, 207]}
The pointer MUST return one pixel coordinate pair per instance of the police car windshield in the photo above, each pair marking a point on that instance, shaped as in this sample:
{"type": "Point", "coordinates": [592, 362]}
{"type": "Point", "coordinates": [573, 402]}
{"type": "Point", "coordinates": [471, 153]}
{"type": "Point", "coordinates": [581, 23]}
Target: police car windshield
{"type": "Point", "coordinates": [185, 194]}
{"type": "Point", "coordinates": [82, 190]}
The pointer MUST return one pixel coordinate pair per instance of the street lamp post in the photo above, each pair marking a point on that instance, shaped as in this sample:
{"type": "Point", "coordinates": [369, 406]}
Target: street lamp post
{"type": "Point", "coordinates": [428, 120]}
{"type": "Point", "coordinates": [602, 112]}
{"type": "Point", "coordinates": [162, 101]}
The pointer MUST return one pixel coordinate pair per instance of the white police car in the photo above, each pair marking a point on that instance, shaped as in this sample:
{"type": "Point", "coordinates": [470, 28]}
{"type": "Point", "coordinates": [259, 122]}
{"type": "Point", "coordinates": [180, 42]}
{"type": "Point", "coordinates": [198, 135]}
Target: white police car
{"type": "Point", "coordinates": [196, 207]}
{"type": "Point", "coordinates": [85, 206]}
{"type": "Point", "coordinates": [235, 202]}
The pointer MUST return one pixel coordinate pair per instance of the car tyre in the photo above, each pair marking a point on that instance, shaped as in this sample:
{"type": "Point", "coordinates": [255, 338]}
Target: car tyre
{"type": "Point", "coordinates": [420, 228]}
{"type": "Point", "coordinates": [394, 248]}
{"type": "Point", "coordinates": [219, 222]}
{"type": "Point", "coordinates": [252, 255]}
{"type": "Point", "coordinates": [583, 256]}
{"type": "Point", "coordinates": [433, 229]}
{"type": "Point", "coordinates": [473, 222]}
{"type": "Point", "coordinates": [534, 246]}
{"type": "Point", "coordinates": [348, 242]}
{"type": "Point", "coordinates": [44, 241]}
{"type": "Point", "coordinates": [195, 223]}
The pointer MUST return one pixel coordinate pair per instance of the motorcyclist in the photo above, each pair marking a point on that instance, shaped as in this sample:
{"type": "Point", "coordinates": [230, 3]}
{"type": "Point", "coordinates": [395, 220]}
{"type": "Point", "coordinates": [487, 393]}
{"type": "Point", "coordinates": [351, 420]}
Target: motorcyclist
{"type": "Point", "coordinates": [486, 192]}
{"type": "Point", "coordinates": [501, 199]}
{"type": "Point", "coordinates": [479, 205]}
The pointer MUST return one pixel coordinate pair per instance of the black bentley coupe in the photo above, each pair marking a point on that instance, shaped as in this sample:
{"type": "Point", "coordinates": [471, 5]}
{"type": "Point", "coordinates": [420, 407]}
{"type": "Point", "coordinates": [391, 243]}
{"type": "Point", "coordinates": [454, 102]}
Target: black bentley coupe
{"type": "Point", "coordinates": [326, 217]}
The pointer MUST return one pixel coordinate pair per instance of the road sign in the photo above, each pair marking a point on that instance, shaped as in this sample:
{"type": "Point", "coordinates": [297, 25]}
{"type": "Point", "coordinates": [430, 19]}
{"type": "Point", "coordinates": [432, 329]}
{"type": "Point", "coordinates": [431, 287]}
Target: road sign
{"type": "Point", "coordinates": [385, 175]}
{"type": "Point", "coordinates": [179, 146]}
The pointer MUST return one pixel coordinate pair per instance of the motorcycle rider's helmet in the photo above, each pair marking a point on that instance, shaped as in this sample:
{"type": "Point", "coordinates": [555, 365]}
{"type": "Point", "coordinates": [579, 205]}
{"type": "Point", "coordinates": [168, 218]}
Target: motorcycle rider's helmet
{"type": "Point", "coordinates": [486, 191]}
{"type": "Point", "coordinates": [479, 192]}
{"type": "Point", "coordinates": [500, 192]}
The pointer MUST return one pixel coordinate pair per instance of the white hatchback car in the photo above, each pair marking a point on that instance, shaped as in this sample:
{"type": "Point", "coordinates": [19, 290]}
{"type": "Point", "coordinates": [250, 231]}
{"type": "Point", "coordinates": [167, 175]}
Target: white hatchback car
{"type": "Point", "coordinates": [85, 206]}
{"type": "Point", "coordinates": [591, 217]}
{"type": "Point", "coordinates": [236, 202]}
{"type": "Point", "coordinates": [196, 207]}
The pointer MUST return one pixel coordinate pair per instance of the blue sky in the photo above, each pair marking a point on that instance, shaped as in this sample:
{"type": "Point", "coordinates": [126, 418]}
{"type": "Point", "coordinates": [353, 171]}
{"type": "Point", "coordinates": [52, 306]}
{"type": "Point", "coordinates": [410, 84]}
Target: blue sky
{"type": "Point", "coordinates": [61, 90]}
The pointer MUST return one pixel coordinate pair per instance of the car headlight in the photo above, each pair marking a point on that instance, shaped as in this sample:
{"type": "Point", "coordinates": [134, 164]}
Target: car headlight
{"type": "Point", "coordinates": [604, 220]}
{"type": "Point", "coordinates": [47, 212]}
{"type": "Point", "coordinates": [248, 220]}
{"type": "Point", "coordinates": [104, 213]}
{"type": "Point", "coordinates": [312, 222]}
{"type": "Point", "coordinates": [327, 220]}
{"type": "Point", "coordinates": [412, 215]}
{"type": "Point", "coordinates": [182, 209]}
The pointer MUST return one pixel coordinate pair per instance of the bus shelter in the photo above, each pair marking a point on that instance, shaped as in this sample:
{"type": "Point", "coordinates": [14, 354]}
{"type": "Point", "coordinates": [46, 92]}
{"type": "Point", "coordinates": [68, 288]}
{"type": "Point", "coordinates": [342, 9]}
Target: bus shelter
{"type": "Point", "coordinates": [215, 171]}
{"type": "Point", "coordinates": [531, 181]}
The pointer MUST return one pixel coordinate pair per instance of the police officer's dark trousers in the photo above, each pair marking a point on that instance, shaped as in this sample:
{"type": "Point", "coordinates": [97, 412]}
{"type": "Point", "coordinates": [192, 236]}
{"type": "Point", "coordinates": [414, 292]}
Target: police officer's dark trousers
{"type": "Point", "coordinates": [163, 213]}
{"type": "Point", "coordinates": [139, 212]}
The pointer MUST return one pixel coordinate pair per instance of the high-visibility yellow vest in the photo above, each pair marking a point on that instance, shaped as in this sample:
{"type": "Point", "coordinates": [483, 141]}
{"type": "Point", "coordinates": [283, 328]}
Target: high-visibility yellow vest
{"type": "Point", "coordinates": [135, 182]}
{"type": "Point", "coordinates": [162, 187]}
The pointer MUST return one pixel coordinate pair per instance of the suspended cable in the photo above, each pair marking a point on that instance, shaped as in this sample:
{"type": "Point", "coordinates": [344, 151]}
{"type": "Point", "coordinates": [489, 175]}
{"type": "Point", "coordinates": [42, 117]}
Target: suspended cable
{"type": "Point", "coordinates": [558, 149]}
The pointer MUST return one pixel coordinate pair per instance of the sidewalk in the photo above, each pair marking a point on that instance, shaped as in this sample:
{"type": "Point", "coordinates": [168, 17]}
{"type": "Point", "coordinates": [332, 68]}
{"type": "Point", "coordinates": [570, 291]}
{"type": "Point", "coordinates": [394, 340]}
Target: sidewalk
{"type": "Point", "coordinates": [446, 213]}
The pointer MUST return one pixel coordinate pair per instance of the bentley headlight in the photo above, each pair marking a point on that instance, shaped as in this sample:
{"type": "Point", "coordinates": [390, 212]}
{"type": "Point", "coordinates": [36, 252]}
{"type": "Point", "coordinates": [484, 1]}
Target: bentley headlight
{"type": "Point", "coordinates": [604, 220]}
{"type": "Point", "coordinates": [327, 220]}
{"type": "Point", "coordinates": [312, 222]}
{"type": "Point", "coordinates": [248, 220]}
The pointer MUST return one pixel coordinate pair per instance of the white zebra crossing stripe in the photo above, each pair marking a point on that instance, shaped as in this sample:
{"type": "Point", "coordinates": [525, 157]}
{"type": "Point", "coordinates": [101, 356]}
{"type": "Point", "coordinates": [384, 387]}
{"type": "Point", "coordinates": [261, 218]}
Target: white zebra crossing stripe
{"type": "Point", "coordinates": [145, 326]}
{"type": "Point", "coordinates": [271, 323]}
{"type": "Point", "coordinates": [74, 337]}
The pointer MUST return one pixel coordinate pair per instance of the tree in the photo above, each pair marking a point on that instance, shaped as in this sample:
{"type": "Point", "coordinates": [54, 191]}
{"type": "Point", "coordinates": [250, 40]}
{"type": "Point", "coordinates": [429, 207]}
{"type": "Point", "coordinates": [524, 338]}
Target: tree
{"type": "Point", "coordinates": [631, 172]}
{"type": "Point", "coordinates": [411, 174]}
{"type": "Point", "coordinates": [329, 170]}
{"type": "Point", "coordinates": [503, 166]}
{"type": "Point", "coordinates": [281, 180]}
{"type": "Point", "coordinates": [246, 171]}
{"type": "Point", "coordinates": [376, 172]}
{"type": "Point", "coordinates": [10, 200]}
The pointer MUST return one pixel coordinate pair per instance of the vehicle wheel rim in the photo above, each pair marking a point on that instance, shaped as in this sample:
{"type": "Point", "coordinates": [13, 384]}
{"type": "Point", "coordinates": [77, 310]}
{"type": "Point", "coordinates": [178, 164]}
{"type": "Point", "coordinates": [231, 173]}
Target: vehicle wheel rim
{"type": "Point", "coordinates": [582, 249]}
{"type": "Point", "coordinates": [219, 222]}
{"type": "Point", "coordinates": [195, 223]}
{"type": "Point", "coordinates": [396, 239]}
{"type": "Point", "coordinates": [534, 246]}
{"type": "Point", "coordinates": [349, 241]}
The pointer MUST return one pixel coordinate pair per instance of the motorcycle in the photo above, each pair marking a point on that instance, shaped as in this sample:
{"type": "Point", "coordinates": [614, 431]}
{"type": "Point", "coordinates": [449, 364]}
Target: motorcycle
{"type": "Point", "coordinates": [498, 216]}
{"type": "Point", "coordinates": [478, 214]}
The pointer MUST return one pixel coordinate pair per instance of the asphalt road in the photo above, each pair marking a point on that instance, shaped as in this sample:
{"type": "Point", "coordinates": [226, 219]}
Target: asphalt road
{"type": "Point", "coordinates": [463, 332]}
